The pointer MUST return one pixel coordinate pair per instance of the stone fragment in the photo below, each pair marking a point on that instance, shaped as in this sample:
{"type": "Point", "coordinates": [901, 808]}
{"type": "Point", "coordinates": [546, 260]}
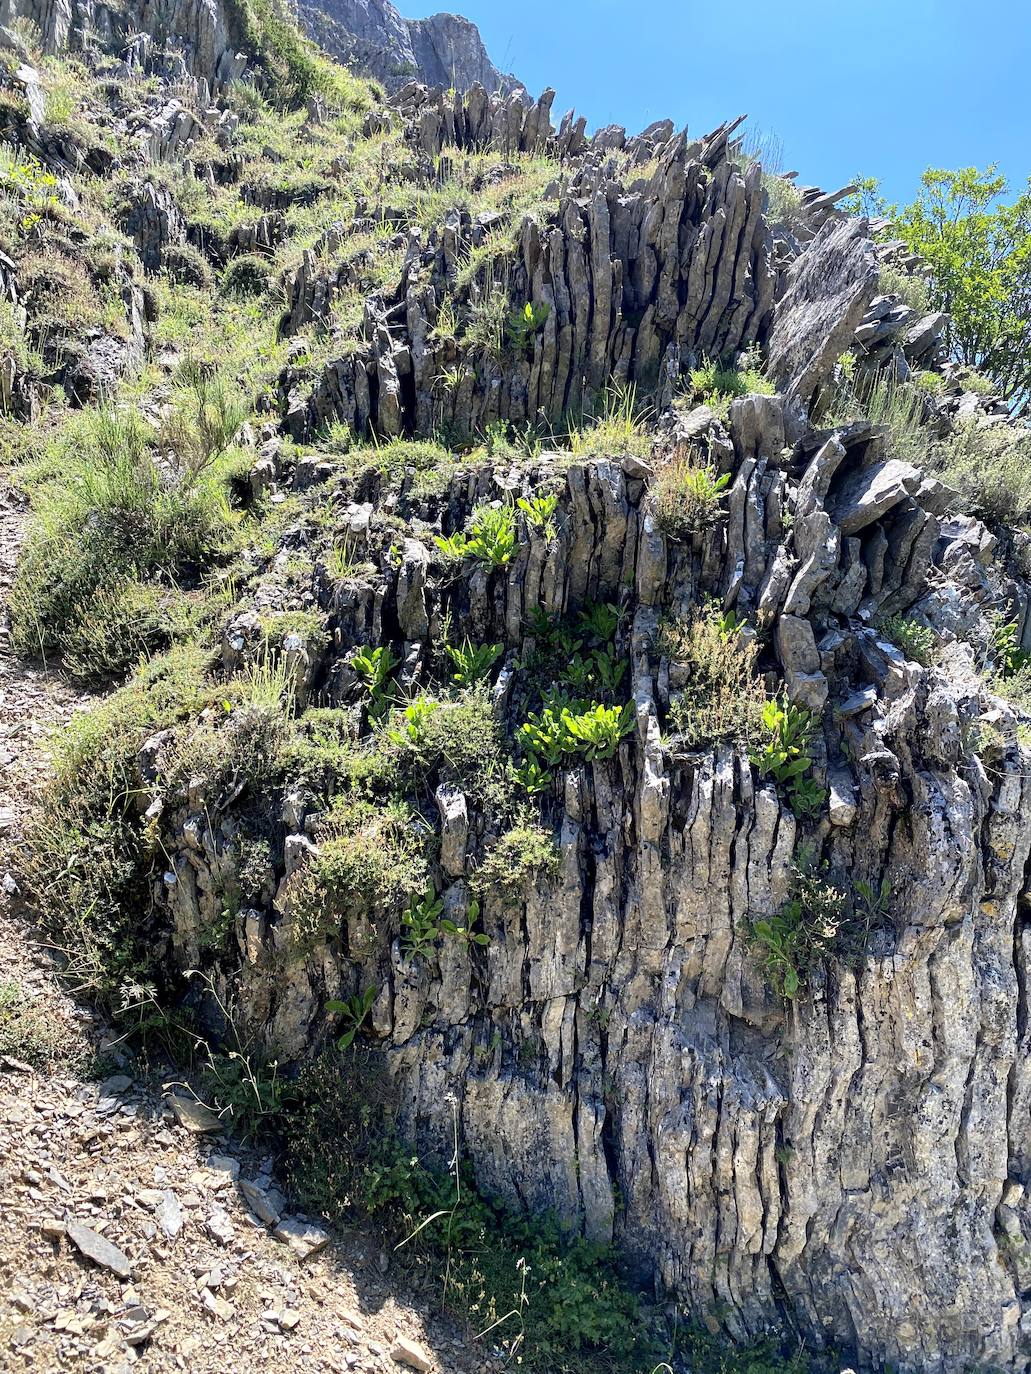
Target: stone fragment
{"type": "Point", "coordinates": [193, 1115]}
{"type": "Point", "coordinates": [412, 1355]}
{"type": "Point", "coordinates": [873, 492]}
{"type": "Point", "coordinates": [98, 1249]}
{"type": "Point", "coordinates": [303, 1237]}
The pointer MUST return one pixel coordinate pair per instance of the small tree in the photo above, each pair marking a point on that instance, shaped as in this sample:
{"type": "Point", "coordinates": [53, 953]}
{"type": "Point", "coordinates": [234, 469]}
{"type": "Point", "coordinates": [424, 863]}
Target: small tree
{"type": "Point", "coordinates": [978, 253]}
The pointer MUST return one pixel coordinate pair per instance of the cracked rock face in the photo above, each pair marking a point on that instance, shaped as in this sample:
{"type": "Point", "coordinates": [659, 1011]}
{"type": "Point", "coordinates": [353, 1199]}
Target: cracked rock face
{"type": "Point", "coordinates": [371, 36]}
{"type": "Point", "coordinates": [860, 1156]}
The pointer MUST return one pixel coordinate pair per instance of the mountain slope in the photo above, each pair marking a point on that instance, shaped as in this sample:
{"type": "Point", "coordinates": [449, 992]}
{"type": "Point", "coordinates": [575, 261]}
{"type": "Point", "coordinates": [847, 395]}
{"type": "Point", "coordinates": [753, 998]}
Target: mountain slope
{"type": "Point", "coordinates": [372, 37]}
{"type": "Point", "coordinates": [566, 633]}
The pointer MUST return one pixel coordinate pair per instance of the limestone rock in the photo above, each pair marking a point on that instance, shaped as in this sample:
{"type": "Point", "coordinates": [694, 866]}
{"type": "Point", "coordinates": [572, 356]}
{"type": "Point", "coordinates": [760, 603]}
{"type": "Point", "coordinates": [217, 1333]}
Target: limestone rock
{"type": "Point", "coordinates": [98, 1249]}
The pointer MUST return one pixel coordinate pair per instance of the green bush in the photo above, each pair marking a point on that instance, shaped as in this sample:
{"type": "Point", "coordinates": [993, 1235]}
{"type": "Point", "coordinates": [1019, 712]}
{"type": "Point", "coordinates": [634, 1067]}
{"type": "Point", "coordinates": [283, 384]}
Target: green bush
{"type": "Point", "coordinates": [186, 265]}
{"type": "Point", "coordinates": [781, 752]}
{"type": "Point", "coordinates": [491, 538]}
{"type": "Point", "coordinates": [246, 275]}
{"type": "Point", "coordinates": [457, 741]}
{"type": "Point", "coordinates": [990, 469]}
{"type": "Point", "coordinates": [113, 520]}
{"type": "Point", "coordinates": [521, 855]}
{"type": "Point", "coordinates": [723, 697]}
{"type": "Point", "coordinates": [917, 641]}
{"type": "Point", "coordinates": [688, 497]}
{"type": "Point", "coordinates": [371, 860]}
{"type": "Point", "coordinates": [819, 920]}
{"type": "Point", "coordinates": [716, 380]}
{"type": "Point", "coordinates": [33, 1031]}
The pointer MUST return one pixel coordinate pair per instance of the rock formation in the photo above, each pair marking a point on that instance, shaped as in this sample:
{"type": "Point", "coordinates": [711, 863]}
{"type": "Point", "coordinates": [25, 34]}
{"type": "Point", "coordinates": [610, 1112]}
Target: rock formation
{"type": "Point", "coordinates": [854, 1159]}
{"type": "Point", "coordinates": [371, 36]}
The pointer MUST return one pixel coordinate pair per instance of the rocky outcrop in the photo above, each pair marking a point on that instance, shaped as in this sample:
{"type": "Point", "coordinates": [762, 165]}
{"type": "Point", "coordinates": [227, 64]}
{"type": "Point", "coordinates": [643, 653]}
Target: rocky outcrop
{"type": "Point", "coordinates": [629, 279]}
{"type": "Point", "coordinates": [371, 36]}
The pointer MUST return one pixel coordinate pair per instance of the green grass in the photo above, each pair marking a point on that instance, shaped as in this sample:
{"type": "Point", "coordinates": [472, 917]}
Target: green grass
{"type": "Point", "coordinates": [113, 536]}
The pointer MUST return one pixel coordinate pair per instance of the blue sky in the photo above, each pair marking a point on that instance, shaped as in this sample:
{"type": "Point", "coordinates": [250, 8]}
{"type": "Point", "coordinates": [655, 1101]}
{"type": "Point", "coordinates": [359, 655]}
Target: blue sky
{"type": "Point", "coordinates": [878, 87]}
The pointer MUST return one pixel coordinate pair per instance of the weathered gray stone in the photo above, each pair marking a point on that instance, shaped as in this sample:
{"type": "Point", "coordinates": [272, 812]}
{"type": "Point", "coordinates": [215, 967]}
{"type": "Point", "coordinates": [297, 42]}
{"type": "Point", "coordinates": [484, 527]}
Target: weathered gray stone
{"type": "Point", "coordinates": [98, 1249]}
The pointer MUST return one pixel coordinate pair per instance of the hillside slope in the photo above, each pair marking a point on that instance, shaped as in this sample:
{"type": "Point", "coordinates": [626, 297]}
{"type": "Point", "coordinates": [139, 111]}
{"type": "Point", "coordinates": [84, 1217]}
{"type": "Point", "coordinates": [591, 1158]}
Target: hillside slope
{"type": "Point", "coordinates": [573, 626]}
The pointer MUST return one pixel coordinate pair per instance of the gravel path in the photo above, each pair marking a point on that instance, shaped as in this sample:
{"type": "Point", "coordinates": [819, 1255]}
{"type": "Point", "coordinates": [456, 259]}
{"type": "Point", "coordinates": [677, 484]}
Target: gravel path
{"type": "Point", "coordinates": [128, 1236]}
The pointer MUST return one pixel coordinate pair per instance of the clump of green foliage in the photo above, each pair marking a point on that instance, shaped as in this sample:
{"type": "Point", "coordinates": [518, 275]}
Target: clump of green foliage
{"type": "Point", "coordinates": [371, 859]}
{"type": "Point", "coordinates": [457, 740]}
{"type": "Point", "coordinates": [977, 251]}
{"type": "Point", "coordinates": [491, 538]}
{"type": "Point", "coordinates": [722, 698]}
{"type": "Point", "coordinates": [32, 1033]}
{"type": "Point", "coordinates": [109, 534]}
{"type": "Point", "coordinates": [294, 68]}
{"type": "Point", "coordinates": [989, 467]}
{"type": "Point", "coordinates": [715, 381]}
{"type": "Point", "coordinates": [614, 426]}
{"type": "Point", "coordinates": [781, 753]}
{"type": "Point", "coordinates": [820, 920]}
{"type": "Point", "coordinates": [524, 853]}
{"type": "Point", "coordinates": [688, 497]}
{"type": "Point", "coordinates": [916, 640]}
{"type": "Point", "coordinates": [896, 406]}
{"type": "Point", "coordinates": [574, 729]}
{"type": "Point", "coordinates": [89, 855]}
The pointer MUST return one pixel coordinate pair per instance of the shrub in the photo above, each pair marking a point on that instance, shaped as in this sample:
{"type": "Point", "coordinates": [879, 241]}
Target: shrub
{"type": "Point", "coordinates": [521, 855]}
{"type": "Point", "coordinates": [688, 497]}
{"type": "Point", "coordinates": [916, 640]}
{"type": "Point", "coordinates": [32, 1031]}
{"type": "Point", "coordinates": [990, 469]}
{"type": "Point", "coordinates": [186, 265]}
{"type": "Point", "coordinates": [246, 275]}
{"type": "Point", "coordinates": [895, 406]}
{"type": "Point", "coordinates": [722, 698]}
{"type": "Point", "coordinates": [458, 741]}
{"type": "Point", "coordinates": [911, 289]}
{"type": "Point", "coordinates": [576, 729]}
{"type": "Point", "coordinates": [370, 861]}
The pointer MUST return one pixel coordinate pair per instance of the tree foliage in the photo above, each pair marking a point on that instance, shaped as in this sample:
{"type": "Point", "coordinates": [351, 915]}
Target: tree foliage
{"type": "Point", "coordinates": [977, 249]}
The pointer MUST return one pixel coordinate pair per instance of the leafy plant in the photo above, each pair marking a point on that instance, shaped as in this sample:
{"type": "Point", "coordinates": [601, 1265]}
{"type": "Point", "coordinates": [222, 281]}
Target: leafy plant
{"type": "Point", "coordinates": [595, 733]}
{"type": "Point", "coordinates": [781, 754]}
{"type": "Point", "coordinates": [978, 255]}
{"type": "Point", "coordinates": [373, 667]}
{"type": "Point", "coordinates": [524, 324]}
{"type": "Point", "coordinates": [539, 511]}
{"type": "Point", "coordinates": [491, 538]}
{"type": "Point", "coordinates": [688, 497]}
{"type": "Point", "coordinates": [472, 662]}
{"type": "Point", "coordinates": [523, 853]}
{"type": "Point", "coordinates": [415, 720]}
{"type": "Point", "coordinates": [531, 777]}
{"type": "Point", "coordinates": [353, 1012]}
{"type": "Point", "coordinates": [424, 925]}
{"type": "Point", "coordinates": [592, 732]}
{"type": "Point", "coordinates": [809, 926]}
{"type": "Point", "coordinates": [916, 640]}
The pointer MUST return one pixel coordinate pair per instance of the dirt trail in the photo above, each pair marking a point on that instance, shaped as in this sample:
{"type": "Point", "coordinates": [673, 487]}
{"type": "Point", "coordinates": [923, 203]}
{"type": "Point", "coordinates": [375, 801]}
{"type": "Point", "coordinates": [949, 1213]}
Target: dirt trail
{"type": "Point", "coordinates": [191, 1278]}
